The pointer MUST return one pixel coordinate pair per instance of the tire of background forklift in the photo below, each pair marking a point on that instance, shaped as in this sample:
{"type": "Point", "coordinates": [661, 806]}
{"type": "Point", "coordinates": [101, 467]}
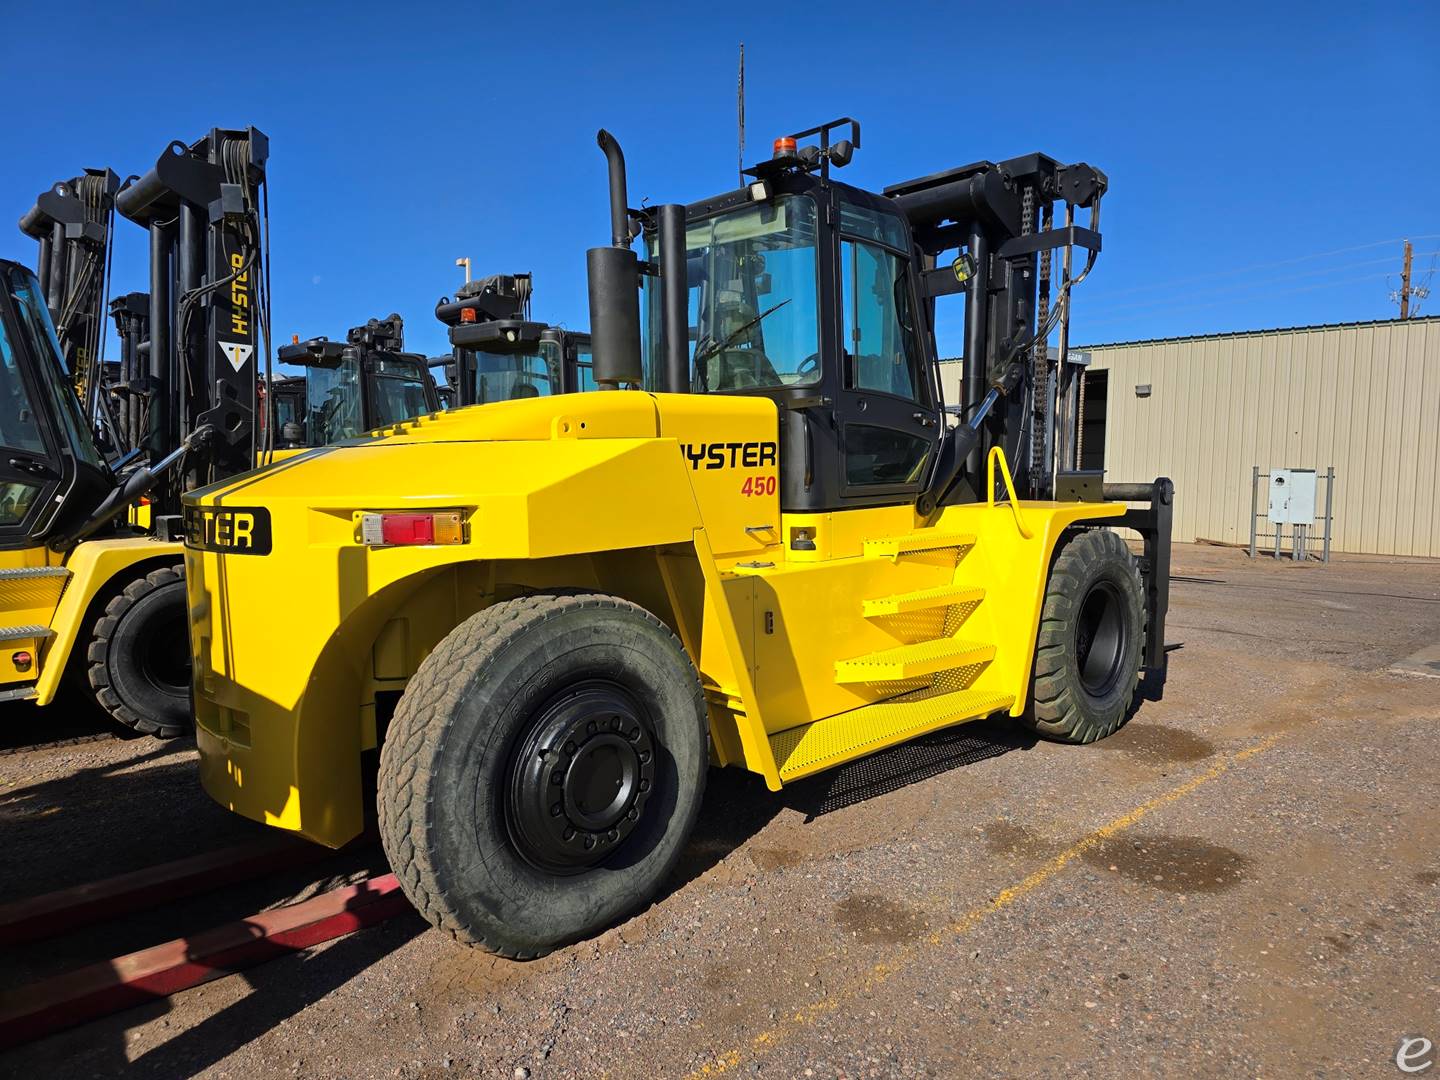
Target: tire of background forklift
{"type": "Point", "coordinates": [139, 656]}
{"type": "Point", "coordinates": [453, 800]}
{"type": "Point", "coordinates": [1092, 630]}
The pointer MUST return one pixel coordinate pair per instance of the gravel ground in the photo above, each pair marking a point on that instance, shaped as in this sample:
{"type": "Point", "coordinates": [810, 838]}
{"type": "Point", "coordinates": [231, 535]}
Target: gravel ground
{"type": "Point", "coordinates": [1245, 880]}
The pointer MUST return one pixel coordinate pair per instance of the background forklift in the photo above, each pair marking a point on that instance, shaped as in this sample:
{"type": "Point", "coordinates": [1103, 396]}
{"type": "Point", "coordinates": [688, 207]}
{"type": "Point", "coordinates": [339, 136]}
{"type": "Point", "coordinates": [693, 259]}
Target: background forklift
{"type": "Point", "coordinates": [364, 383]}
{"type": "Point", "coordinates": [763, 547]}
{"type": "Point", "coordinates": [83, 589]}
{"type": "Point", "coordinates": [500, 354]}
{"type": "Point", "coordinates": [73, 222]}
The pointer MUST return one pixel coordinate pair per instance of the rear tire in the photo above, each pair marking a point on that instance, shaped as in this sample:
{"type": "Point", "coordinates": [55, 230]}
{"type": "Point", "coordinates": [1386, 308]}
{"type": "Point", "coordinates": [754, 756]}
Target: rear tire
{"type": "Point", "coordinates": [543, 771]}
{"type": "Point", "coordinates": [139, 656]}
{"type": "Point", "coordinates": [1087, 654]}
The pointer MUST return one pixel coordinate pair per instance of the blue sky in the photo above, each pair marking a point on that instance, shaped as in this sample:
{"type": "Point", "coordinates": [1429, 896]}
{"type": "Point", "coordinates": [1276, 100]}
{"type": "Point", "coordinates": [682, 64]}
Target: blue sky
{"type": "Point", "coordinates": [1264, 159]}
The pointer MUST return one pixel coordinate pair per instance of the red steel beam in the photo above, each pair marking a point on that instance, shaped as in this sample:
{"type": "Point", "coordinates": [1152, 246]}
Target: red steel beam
{"type": "Point", "coordinates": [41, 1008]}
{"type": "Point", "coordinates": [58, 912]}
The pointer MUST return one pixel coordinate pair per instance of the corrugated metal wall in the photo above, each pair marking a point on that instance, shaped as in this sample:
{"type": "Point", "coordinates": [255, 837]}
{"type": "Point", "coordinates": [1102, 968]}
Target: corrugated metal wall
{"type": "Point", "coordinates": [1364, 398]}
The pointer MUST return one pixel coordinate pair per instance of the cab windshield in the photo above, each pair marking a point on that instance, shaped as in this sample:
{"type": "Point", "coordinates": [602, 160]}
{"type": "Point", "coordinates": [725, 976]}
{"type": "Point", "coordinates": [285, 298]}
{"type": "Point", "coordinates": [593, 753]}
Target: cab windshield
{"type": "Point", "coordinates": [507, 376]}
{"type": "Point", "coordinates": [333, 402]}
{"type": "Point", "coordinates": [17, 411]}
{"type": "Point", "coordinates": [19, 428]}
{"type": "Point", "coordinates": [398, 391]}
{"type": "Point", "coordinates": [752, 276]}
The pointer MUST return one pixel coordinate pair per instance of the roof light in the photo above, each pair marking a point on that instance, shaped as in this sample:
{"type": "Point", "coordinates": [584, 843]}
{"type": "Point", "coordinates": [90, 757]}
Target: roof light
{"type": "Point", "coordinates": [410, 530]}
{"type": "Point", "coordinates": [784, 147]}
{"type": "Point", "coordinates": [467, 314]}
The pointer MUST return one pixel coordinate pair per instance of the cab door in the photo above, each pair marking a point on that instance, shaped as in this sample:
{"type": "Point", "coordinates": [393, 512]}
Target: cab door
{"type": "Point", "coordinates": [886, 411]}
{"type": "Point", "coordinates": [51, 473]}
{"type": "Point", "coordinates": [30, 466]}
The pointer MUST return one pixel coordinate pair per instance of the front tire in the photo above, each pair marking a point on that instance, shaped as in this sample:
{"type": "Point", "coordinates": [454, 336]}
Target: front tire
{"type": "Point", "coordinates": [1087, 654]}
{"type": "Point", "coordinates": [543, 771]}
{"type": "Point", "coordinates": [139, 656]}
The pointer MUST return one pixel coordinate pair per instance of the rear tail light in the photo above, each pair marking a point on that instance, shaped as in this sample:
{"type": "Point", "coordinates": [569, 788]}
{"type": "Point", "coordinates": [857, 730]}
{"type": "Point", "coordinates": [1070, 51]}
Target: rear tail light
{"type": "Point", "coordinates": [408, 530]}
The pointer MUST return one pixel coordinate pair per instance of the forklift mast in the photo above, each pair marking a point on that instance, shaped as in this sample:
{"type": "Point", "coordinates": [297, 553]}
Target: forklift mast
{"type": "Point", "coordinates": [204, 206]}
{"type": "Point", "coordinates": [131, 313]}
{"type": "Point", "coordinates": [73, 222]}
{"type": "Point", "coordinates": [999, 220]}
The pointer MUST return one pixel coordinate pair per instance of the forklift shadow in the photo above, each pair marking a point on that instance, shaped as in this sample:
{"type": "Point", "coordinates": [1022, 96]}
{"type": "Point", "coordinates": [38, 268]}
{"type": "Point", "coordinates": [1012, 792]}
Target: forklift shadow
{"type": "Point", "coordinates": [906, 764]}
{"type": "Point", "coordinates": [279, 991]}
{"type": "Point", "coordinates": [738, 805]}
{"type": "Point", "coordinates": [72, 715]}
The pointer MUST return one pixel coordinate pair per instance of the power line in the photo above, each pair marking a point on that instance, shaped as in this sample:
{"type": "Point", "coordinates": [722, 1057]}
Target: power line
{"type": "Point", "coordinates": [1218, 303]}
{"type": "Point", "coordinates": [1251, 285]}
{"type": "Point", "coordinates": [1240, 270]}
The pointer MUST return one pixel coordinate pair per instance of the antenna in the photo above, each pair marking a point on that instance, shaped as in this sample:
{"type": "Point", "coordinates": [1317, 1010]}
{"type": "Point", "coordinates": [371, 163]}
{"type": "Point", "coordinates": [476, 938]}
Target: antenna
{"type": "Point", "coordinates": [740, 109]}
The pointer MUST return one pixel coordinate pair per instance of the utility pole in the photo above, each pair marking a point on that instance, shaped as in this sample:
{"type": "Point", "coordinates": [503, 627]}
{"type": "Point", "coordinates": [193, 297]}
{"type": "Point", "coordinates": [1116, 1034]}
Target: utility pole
{"type": "Point", "coordinates": [1405, 283]}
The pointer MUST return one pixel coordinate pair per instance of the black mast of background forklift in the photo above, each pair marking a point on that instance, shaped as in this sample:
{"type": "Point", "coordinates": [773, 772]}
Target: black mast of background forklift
{"type": "Point", "coordinates": [131, 313]}
{"type": "Point", "coordinates": [204, 206]}
{"type": "Point", "coordinates": [73, 222]}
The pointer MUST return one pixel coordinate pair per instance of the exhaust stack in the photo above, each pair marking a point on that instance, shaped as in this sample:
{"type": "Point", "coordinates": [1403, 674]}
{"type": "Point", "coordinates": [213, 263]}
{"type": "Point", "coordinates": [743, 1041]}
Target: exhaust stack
{"type": "Point", "coordinates": [614, 280]}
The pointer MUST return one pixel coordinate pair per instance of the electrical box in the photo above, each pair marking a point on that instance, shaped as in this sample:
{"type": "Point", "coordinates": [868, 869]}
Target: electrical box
{"type": "Point", "coordinates": [1292, 497]}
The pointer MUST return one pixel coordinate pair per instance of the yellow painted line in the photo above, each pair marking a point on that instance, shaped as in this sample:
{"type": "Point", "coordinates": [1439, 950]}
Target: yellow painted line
{"type": "Point", "coordinates": [965, 923]}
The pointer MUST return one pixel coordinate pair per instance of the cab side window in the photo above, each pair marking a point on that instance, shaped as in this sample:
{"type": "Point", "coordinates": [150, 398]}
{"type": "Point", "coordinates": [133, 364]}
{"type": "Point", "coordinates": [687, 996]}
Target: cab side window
{"type": "Point", "coordinates": [881, 352]}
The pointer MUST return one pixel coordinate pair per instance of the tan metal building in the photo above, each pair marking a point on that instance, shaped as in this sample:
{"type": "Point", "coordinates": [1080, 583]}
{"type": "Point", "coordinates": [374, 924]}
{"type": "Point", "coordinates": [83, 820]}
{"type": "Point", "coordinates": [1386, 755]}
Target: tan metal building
{"type": "Point", "coordinates": [1361, 397]}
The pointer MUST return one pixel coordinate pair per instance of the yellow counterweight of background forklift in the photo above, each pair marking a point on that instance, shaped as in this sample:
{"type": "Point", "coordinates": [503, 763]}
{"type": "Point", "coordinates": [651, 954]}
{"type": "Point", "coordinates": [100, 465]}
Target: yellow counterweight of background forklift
{"type": "Point", "coordinates": [93, 565]}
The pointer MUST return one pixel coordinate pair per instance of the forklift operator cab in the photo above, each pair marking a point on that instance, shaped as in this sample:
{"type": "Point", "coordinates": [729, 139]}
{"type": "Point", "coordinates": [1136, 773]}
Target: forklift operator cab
{"type": "Point", "coordinates": [51, 473]}
{"type": "Point", "coordinates": [510, 360]}
{"type": "Point", "coordinates": [761, 328]}
{"type": "Point", "coordinates": [365, 384]}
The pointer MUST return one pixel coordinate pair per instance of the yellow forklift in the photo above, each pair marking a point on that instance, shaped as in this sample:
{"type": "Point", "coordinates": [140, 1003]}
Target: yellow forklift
{"type": "Point", "coordinates": [767, 544]}
{"type": "Point", "coordinates": [88, 588]}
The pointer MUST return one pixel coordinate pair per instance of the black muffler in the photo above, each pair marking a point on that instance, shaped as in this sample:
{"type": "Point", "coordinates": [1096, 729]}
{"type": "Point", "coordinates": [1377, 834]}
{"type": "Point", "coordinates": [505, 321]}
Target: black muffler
{"type": "Point", "coordinates": [614, 278]}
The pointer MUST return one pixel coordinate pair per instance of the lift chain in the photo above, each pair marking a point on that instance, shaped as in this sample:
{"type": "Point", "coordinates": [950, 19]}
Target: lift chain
{"type": "Point", "coordinates": [1040, 409]}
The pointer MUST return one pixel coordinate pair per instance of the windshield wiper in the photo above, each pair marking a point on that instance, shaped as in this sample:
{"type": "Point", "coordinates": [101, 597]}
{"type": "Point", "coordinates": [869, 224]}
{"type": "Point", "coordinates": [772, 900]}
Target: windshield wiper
{"type": "Point", "coordinates": [730, 339]}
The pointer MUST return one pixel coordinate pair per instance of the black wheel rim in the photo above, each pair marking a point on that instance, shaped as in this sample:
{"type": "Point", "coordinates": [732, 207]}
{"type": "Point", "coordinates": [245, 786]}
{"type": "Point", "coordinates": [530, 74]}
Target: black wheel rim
{"type": "Point", "coordinates": [1100, 639]}
{"type": "Point", "coordinates": [165, 656]}
{"type": "Point", "coordinates": [582, 773]}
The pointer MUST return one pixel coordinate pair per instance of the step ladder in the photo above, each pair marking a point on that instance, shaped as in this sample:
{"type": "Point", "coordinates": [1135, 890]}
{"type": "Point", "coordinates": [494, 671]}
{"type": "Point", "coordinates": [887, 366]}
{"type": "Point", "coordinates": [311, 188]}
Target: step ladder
{"type": "Point", "coordinates": [944, 665]}
{"type": "Point", "coordinates": [893, 547]}
{"type": "Point", "coordinates": [912, 661]}
{"type": "Point", "coordinates": [811, 748]}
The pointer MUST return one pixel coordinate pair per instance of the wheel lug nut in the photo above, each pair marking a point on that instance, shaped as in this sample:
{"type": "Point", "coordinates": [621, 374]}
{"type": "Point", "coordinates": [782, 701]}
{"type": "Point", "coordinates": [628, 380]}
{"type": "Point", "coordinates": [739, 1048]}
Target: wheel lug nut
{"type": "Point", "coordinates": [589, 842]}
{"type": "Point", "coordinates": [555, 810]}
{"type": "Point", "coordinates": [569, 832]}
{"type": "Point", "coordinates": [633, 814]}
{"type": "Point", "coordinates": [644, 784]}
